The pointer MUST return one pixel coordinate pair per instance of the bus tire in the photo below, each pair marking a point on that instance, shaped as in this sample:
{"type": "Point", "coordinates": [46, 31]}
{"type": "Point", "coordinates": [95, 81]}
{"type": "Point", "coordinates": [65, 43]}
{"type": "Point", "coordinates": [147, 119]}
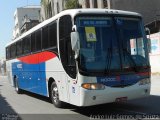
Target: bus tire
{"type": "Point", "coordinates": [54, 96]}
{"type": "Point", "coordinates": [17, 89]}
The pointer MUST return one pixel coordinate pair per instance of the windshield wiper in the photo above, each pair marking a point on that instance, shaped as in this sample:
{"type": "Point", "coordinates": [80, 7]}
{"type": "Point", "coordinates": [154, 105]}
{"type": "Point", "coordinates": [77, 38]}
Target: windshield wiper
{"type": "Point", "coordinates": [109, 58]}
{"type": "Point", "coordinates": [131, 59]}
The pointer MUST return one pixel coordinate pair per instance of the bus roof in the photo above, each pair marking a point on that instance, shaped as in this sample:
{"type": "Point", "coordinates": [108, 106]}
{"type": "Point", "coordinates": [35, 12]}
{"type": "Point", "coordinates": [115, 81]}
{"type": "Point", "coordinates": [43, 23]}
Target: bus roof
{"type": "Point", "coordinates": [74, 12]}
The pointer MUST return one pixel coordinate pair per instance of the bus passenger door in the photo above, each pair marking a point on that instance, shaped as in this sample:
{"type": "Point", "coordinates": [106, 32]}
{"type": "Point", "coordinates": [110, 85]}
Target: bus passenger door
{"type": "Point", "coordinates": [64, 87]}
{"type": "Point", "coordinates": [66, 53]}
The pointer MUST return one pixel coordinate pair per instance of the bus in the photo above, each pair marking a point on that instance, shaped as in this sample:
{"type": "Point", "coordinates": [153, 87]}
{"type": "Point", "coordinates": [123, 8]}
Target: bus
{"type": "Point", "coordinates": [83, 57]}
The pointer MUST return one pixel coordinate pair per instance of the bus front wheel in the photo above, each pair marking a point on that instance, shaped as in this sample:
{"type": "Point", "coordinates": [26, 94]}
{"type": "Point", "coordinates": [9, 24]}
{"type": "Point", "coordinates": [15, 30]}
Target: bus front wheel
{"type": "Point", "coordinates": [54, 95]}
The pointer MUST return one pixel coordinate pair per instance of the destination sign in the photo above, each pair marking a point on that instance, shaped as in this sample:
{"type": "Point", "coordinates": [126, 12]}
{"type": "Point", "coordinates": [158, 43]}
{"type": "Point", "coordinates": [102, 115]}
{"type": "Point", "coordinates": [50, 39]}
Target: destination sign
{"type": "Point", "coordinates": [94, 22]}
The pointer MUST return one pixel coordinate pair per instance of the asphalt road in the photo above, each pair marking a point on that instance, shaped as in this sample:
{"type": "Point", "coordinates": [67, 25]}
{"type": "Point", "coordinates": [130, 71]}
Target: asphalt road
{"type": "Point", "coordinates": [28, 106]}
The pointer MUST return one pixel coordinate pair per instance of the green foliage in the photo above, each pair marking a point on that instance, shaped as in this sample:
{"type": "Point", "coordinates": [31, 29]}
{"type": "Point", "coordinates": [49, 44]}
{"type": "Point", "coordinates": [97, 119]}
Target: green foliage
{"type": "Point", "coordinates": [70, 4]}
{"type": "Point", "coordinates": [44, 3]}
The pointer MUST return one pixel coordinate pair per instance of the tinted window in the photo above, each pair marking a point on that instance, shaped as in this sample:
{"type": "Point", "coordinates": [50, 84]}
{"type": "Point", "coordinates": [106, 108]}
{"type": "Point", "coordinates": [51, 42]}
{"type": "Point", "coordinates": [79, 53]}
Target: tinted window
{"type": "Point", "coordinates": [33, 42]}
{"type": "Point", "coordinates": [45, 33]}
{"type": "Point", "coordinates": [65, 26]}
{"type": "Point", "coordinates": [13, 50]}
{"type": "Point", "coordinates": [8, 52]}
{"type": "Point", "coordinates": [66, 53]}
{"type": "Point", "coordinates": [38, 40]}
{"type": "Point", "coordinates": [26, 45]}
{"type": "Point", "coordinates": [19, 48]}
{"type": "Point", "coordinates": [53, 34]}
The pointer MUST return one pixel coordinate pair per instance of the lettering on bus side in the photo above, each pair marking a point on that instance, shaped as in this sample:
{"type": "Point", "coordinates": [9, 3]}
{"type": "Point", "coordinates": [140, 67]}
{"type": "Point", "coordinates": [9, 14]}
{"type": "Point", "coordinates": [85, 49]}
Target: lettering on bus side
{"type": "Point", "coordinates": [19, 66]}
{"type": "Point", "coordinates": [108, 79]}
{"type": "Point", "coordinates": [73, 89]}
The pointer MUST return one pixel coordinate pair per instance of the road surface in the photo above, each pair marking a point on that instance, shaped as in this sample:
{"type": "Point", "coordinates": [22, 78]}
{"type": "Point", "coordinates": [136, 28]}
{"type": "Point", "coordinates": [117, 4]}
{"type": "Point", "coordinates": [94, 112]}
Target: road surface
{"type": "Point", "coordinates": [28, 106]}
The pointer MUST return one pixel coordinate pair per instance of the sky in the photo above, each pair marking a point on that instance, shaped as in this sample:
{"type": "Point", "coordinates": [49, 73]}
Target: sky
{"type": "Point", "coordinates": [7, 8]}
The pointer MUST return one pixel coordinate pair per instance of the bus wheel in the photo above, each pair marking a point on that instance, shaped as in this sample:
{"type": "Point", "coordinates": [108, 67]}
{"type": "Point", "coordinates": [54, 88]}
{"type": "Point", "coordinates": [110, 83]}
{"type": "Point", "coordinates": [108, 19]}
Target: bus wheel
{"type": "Point", "coordinates": [17, 89]}
{"type": "Point", "coordinates": [54, 95]}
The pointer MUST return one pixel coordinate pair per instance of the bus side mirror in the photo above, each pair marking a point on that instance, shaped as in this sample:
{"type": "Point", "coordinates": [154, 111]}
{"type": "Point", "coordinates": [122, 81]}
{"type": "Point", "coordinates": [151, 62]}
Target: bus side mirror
{"type": "Point", "coordinates": [75, 43]}
{"type": "Point", "coordinates": [147, 30]}
{"type": "Point", "coordinates": [149, 44]}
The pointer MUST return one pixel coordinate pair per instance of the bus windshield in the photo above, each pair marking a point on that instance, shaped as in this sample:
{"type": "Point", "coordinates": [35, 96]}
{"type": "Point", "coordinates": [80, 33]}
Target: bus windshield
{"type": "Point", "coordinates": [110, 44]}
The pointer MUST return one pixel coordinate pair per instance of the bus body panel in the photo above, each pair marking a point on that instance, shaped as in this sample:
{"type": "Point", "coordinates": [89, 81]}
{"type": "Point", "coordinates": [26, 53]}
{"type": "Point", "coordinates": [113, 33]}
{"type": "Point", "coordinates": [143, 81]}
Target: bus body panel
{"type": "Point", "coordinates": [34, 71]}
{"type": "Point", "coordinates": [112, 94]}
{"type": "Point", "coordinates": [34, 77]}
{"type": "Point", "coordinates": [54, 69]}
{"type": "Point", "coordinates": [9, 72]}
{"type": "Point", "coordinates": [30, 77]}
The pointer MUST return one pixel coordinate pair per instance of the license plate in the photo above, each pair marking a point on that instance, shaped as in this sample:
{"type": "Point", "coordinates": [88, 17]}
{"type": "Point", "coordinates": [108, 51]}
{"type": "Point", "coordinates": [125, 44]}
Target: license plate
{"type": "Point", "coordinates": [121, 99]}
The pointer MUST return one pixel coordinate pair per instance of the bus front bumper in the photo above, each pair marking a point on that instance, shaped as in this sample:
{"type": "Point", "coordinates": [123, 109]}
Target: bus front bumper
{"type": "Point", "coordinates": [110, 94]}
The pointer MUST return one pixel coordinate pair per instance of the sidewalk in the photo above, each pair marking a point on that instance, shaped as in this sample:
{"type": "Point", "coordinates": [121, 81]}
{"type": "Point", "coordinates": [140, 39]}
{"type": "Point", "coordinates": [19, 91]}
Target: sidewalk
{"type": "Point", "coordinates": [155, 85]}
{"type": "Point", "coordinates": [3, 77]}
{"type": "Point", "coordinates": [4, 74]}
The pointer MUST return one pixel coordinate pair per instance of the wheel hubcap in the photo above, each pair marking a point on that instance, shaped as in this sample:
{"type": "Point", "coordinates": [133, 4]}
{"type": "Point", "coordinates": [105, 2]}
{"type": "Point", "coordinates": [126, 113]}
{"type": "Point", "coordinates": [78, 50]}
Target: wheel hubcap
{"type": "Point", "coordinates": [16, 88]}
{"type": "Point", "coordinates": [16, 85]}
{"type": "Point", "coordinates": [55, 94]}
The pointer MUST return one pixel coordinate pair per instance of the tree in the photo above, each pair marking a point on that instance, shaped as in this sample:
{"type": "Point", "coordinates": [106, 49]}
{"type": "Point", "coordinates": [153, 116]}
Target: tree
{"type": "Point", "coordinates": [45, 4]}
{"type": "Point", "coordinates": [70, 4]}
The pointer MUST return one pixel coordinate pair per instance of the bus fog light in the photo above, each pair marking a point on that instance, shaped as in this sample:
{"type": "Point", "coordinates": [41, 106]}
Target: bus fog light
{"type": "Point", "coordinates": [144, 81]}
{"type": "Point", "coordinates": [94, 97]}
{"type": "Point", "coordinates": [146, 90]}
{"type": "Point", "coordinates": [93, 86]}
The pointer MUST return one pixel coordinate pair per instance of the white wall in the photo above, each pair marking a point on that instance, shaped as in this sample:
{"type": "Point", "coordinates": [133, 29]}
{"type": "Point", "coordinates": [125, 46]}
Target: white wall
{"type": "Point", "coordinates": [155, 63]}
{"type": "Point", "coordinates": [32, 12]}
{"type": "Point", "coordinates": [155, 53]}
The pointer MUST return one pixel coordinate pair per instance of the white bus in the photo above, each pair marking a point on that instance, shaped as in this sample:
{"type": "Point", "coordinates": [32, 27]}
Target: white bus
{"type": "Point", "coordinates": [83, 57]}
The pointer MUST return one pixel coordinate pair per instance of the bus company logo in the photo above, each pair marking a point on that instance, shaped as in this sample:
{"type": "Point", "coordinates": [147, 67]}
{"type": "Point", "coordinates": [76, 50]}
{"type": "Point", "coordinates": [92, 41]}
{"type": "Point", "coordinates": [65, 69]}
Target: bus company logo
{"type": "Point", "coordinates": [73, 90]}
{"type": "Point", "coordinates": [19, 66]}
{"type": "Point", "coordinates": [108, 79]}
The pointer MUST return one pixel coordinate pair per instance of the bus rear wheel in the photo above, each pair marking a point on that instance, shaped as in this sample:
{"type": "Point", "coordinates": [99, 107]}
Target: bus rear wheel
{"type": "Point", "coordinates": [54, 95]}
{"type": "Point", "coordinates": [17, 89]}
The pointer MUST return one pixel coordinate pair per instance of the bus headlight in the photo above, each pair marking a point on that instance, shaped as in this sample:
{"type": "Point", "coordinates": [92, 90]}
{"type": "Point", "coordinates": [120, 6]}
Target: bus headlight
{"type": "Point", "coordinates": [144, 81]}
{"type": "Point", "coordinates": [93, 86]}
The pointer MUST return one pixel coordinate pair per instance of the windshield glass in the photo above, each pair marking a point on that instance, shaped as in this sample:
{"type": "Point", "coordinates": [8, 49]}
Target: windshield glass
{"type": "Point", "coordinates": [111, 44]}
{"type": "Point", "coordinates": [132, 42]}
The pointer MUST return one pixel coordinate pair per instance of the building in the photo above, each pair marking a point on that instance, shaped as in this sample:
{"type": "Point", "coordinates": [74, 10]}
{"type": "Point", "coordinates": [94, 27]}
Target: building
{"type": "Point", "coordinates": [51, 7]}
{"type": "Point", "coordinates": [2, 66]}
{"type": "Point", "coordinates": [155, 53]}
{"type": "Point", "coordinates": [28, 24]}
{"type": "Point", "coordinates": [25, 15]}
{"type": "Point", "coordinates": [95, 3]}
{"type": "Point", "coordinates": [148, 8]}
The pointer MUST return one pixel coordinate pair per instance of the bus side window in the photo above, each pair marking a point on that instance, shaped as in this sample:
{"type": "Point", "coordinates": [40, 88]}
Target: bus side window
{"type": "Point", "coordinates": [8, 52]}
{"type": "Point", "coordinates": [38, 40]}
{"type": "Point", "coordinates": [53, 35]}
{"type": "Point", "coordinates": [19, 48]}
{"type": "Point", "coordinates": [26, 45]}
{"type": "Point", "coordinates": [13, 50]}
{"type": "Point", "coordinates": [33, 42]}
{"type": "Point", "coordinates": [66, 53]}
{"type": "Point", "coordinates": [70, 60]}
{"type": "Point", "coordinates": [45, 40]}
